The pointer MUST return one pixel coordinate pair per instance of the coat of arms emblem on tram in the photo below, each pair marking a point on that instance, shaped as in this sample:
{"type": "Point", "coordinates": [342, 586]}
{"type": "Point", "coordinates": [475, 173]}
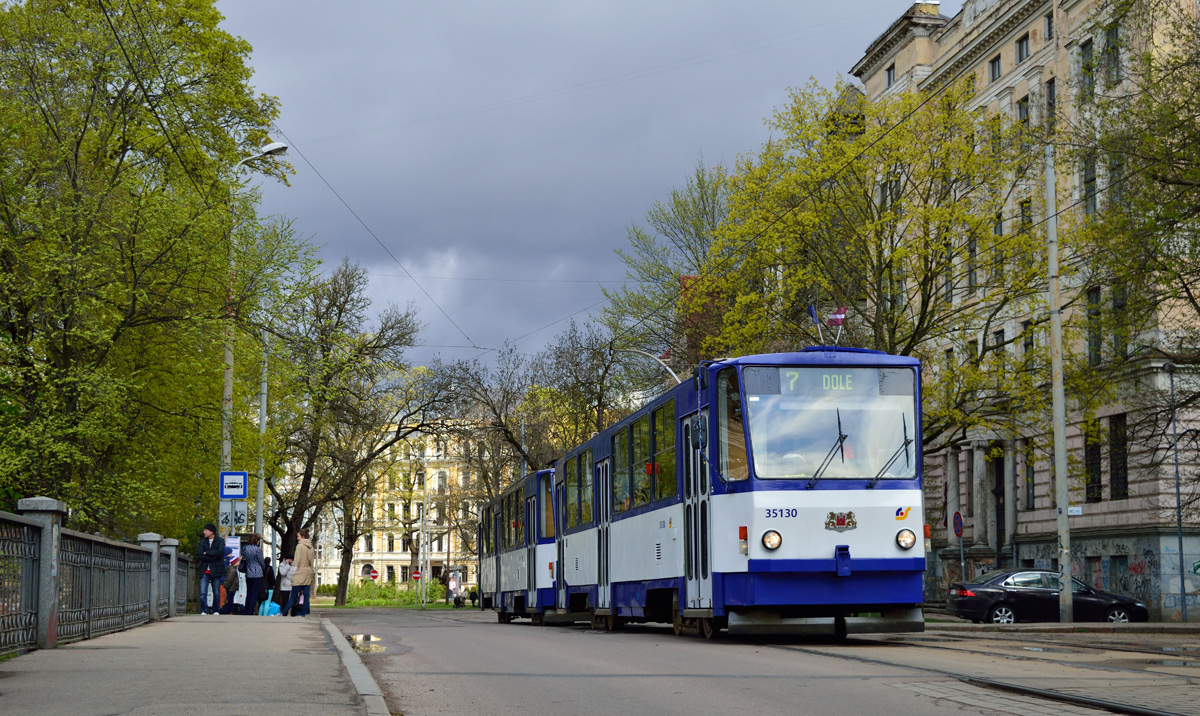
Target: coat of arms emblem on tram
{"type": "Point", "coordinates": [840, 521]}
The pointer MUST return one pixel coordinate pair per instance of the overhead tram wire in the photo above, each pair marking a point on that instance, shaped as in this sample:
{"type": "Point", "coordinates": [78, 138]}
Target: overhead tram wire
{"type": "Point", "coordinates": [652, 71]}
{"type": "Point", "coordinates": [149, 102]}
{"type": "Point", "coordinates": [377, 239]}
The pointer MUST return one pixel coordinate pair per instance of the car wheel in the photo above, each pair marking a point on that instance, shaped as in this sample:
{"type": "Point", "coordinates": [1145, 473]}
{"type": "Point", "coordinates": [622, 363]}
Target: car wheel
{"type": "Point", "coordinates": [1002, 614]}
{"type": "Point", "coordinates": [1118, 615]}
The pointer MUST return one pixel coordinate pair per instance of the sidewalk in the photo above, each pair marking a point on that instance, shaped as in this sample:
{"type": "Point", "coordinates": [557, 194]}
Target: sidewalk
{"type": "Point", "coordinates": [193, 666]}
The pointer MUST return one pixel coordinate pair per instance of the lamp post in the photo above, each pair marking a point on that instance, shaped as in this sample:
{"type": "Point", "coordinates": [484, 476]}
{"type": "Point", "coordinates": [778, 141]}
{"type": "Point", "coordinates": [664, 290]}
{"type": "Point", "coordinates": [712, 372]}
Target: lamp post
{"type": "Point", "coordinates": [1178, 501]}
{"type": "Point", "coordinates": [273, 149]}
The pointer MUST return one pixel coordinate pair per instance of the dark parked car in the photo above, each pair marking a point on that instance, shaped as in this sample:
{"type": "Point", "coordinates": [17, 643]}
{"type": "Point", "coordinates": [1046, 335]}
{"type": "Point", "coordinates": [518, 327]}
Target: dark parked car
{"type": "Point", "coordinates": [1031, 595]}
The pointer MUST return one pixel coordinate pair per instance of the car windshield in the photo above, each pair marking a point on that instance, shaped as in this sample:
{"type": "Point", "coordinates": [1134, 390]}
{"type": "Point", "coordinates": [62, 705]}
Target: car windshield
{"type": "Point", "coordinates": [860, 421]}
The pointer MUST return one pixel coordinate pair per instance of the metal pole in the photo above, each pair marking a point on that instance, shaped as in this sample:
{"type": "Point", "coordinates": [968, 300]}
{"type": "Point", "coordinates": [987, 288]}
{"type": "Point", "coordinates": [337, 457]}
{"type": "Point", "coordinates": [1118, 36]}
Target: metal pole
{"type": "Point", "coordinates": [1178, 501]}
{"type": "Point", "coordinates": [1061, 484]}
{"type": "Point", "coordinates": [262, 431]}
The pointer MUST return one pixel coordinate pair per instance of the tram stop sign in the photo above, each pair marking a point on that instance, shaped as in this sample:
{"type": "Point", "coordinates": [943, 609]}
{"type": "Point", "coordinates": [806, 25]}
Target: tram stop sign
{"type": "Point", "coordinates": [374, 574]}
{"type": "Point", "coordinates": [416, 574]}
{"type": "Point", "coordinates": [957, 525]}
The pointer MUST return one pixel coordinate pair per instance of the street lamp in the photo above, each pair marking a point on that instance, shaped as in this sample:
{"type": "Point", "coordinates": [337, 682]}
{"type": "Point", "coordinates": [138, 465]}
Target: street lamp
{"type": "Point", "coordinates": [652, 357]}
{"type": "Point", "coordinates": [273, 149]}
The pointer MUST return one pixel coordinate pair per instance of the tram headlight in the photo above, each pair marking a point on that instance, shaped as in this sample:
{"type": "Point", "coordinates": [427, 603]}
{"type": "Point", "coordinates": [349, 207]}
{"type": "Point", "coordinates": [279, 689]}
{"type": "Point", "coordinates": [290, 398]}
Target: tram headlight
{"type": "Point", "coordinates": [906, 539]}
{"type": "Point", "coordinates": [771, 540]}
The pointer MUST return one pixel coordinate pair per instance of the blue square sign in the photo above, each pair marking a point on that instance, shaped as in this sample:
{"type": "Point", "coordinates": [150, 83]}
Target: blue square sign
{"type": "Point", "coordinates": [233, 485]}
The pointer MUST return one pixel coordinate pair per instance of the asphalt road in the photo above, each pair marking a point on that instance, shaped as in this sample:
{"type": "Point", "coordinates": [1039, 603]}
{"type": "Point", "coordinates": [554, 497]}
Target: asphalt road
{"type": "Point", "coordinates": [464, 662]}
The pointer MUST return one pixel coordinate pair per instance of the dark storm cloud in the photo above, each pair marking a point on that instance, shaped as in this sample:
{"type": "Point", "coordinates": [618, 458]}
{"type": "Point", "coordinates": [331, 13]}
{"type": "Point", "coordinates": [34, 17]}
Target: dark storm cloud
{"type": "Point", "coordinates": [519, 140]}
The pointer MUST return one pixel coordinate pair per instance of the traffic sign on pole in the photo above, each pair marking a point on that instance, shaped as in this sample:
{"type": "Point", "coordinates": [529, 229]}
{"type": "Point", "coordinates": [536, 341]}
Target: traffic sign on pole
{"type": "Point", "coordinates": [233, 485]}
{"type": "Point", "coordinates": [374, 574]}
{"type": "Point", "coordinates": [958, 525]}
{"type": "Point", "coordinates": [416, 574]}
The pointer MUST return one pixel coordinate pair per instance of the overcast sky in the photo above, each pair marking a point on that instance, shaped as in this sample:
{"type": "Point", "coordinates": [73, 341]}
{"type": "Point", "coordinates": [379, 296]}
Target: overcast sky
{"type": "Point", "coordinates": [499, 150]}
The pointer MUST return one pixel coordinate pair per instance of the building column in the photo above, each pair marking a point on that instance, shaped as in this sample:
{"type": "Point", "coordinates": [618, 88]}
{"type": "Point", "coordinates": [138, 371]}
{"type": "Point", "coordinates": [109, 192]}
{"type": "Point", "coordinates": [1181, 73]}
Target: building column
{"type": "Point", "coordinates": [48, 513]}
{"type": "Point", "coordinates": [150, 541]}
{"type": "Point", "coordinates": [953, 501]}
{"type": "Point", "coordinates": [980, 491]}
{"type": "Point", "coordinates": [1010, 497]}
{"type": "Point", "coordinates": [171, 547]}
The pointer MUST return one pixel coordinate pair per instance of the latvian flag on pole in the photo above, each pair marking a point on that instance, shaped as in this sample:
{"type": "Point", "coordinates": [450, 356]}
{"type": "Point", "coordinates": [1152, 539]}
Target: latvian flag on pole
{"type": "Point", "coordinates": [838, 317]}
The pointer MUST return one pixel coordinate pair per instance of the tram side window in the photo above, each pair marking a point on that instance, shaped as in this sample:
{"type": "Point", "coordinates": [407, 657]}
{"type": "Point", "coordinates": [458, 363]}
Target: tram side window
{"type": "Point", "coordinates": [586, 470]}
{"type": "Point", "coordinates": [664, 452]}
{"type": "Point", "coordinates": [731, 428]}
{"type": "Point", "coordinates": [642, 468]}
{"type": "Point", "coordinates": [547, 506]}
{"type": "Point", "coordinates": [571, 477]}
{"type": "Point", "coordinates": [519, 515]}
{"type": "Point", "coordinates": [620, 483]}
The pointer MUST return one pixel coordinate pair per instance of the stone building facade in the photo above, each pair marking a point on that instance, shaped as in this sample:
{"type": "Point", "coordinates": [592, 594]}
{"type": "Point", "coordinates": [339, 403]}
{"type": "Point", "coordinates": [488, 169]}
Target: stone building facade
{"type": "Point", "coordinates": [1030, 60]}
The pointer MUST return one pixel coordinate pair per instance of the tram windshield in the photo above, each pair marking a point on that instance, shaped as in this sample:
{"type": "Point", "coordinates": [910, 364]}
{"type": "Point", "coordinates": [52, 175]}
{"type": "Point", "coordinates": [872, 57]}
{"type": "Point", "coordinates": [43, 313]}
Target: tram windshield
{"type": "Point", "coordinates": [857, 422]}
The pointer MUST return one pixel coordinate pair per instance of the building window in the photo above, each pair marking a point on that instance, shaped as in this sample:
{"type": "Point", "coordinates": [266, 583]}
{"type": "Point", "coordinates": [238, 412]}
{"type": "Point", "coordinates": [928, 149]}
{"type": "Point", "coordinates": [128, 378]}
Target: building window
{"type": "Point", "coordinates": [440, 545]}
{"type": "Point", "coordinates": [368, 543]}
{"type": "Point", "coordinates": [1026, 216]}
{"type": "Point", "coordinates": [1118, 458]}
{"type": "Point", "coordinates": [1091, 463]}
{"type": "Point", "coordinates": [1087, 79]}
{"type": "Point", "coordinates": [1027, 344]}
{"type": "Point", "coordinates": [1093, 326]}
{"type": "Point", "coordinates": [948, 286]}
{"type": "Point", "coordinates": [994, 69]}
{"type": "Point", "coordinates": [1030, 473]}
{"type": "Point", "coordinates": [391, 511]}
{"type": "Point", "coordinates": [890, 75]}
{"type": "Point", "coordinates": [1051, 104]}
{"type": "Point", "coordinates": [1120, 299]}
{"type": "Point", "coordinates": [391, 573]}
{"type": "Point", "coordinates": [1116, 180]}
{"type": "Point", "coordinates": [1023, 48]}
{"type": "Point", "coordinates": [1050, 26]}
{"type": "Point", "coordinates": [971, 257]}
{"type": "Point", "coordinates": [1023, 112]}
{"type": "Point", "coordinates": [1089, 186]}
{"type": "Point", "coordinates": [391, 541]}
{"type": "Point", "coordinates": [1112, 56]}
{"type": "Point", "coordinates": [403, 573]}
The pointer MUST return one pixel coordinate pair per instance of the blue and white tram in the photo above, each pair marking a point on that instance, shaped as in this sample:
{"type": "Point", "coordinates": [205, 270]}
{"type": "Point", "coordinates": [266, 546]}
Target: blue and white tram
{"type": "Point", "coordinates": [770, 494]}
{"type": "Point", "coordinates": [517, 552]}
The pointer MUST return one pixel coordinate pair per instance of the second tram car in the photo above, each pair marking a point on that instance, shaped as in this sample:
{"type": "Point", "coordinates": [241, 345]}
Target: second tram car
{"type": "Point", "coordinates": [769, 494]}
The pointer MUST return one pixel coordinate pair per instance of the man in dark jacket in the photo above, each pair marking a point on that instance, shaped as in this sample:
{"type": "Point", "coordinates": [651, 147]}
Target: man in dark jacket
{"type": "Point", "coordinates": [211, 559]}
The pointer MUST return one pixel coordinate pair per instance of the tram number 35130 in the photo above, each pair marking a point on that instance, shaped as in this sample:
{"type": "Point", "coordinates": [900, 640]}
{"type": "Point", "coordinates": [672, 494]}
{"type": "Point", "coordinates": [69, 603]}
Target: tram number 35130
{"type": "Point", "coordinates": [782, 513]}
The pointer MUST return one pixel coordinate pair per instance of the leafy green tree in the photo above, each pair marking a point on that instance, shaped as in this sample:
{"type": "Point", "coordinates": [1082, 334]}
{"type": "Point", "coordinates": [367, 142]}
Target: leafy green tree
{"type": "Point", "coordinates": [915, 212]}
{"type": "Point", "coordinates": [357, 399]}
{"type": "Point", "coordinates": [116, 231]}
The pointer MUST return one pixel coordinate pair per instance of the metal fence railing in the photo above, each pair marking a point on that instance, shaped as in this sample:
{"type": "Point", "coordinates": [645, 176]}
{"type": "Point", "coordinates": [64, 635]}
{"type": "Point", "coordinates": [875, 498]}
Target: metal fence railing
{"type": "Point", "coordinates": [19, 546]}
{"type": "Point", "coordinates": [92, 585]}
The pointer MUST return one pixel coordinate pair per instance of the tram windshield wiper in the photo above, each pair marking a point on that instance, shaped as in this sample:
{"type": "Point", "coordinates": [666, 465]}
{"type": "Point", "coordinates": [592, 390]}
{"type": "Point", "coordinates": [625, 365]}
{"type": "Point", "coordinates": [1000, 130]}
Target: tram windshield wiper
{"type": "Point", "coordinates": [903, 447]}
{"type": "Point", "coordinates": [837, 447]}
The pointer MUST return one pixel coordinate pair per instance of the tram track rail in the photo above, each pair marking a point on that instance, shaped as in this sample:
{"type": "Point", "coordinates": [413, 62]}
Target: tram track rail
{"type": "Point", "coordinates": [1050, 695]}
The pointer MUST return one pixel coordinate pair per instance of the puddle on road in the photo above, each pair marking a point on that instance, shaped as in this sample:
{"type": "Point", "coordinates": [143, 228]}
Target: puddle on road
{"type": "Point", "coordinates": [365, 643]}
{"type": "Point", "coordinates": [1171, 662]}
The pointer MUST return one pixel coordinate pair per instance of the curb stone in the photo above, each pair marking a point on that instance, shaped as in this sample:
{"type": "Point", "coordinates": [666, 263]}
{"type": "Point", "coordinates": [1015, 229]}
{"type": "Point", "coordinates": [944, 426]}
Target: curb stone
{"type": "Point", "coordinates": [363, 682]}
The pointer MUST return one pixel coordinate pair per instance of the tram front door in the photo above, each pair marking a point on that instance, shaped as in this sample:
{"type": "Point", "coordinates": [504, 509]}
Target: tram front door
{"type": "Point", "coordinates": [696, 517]}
